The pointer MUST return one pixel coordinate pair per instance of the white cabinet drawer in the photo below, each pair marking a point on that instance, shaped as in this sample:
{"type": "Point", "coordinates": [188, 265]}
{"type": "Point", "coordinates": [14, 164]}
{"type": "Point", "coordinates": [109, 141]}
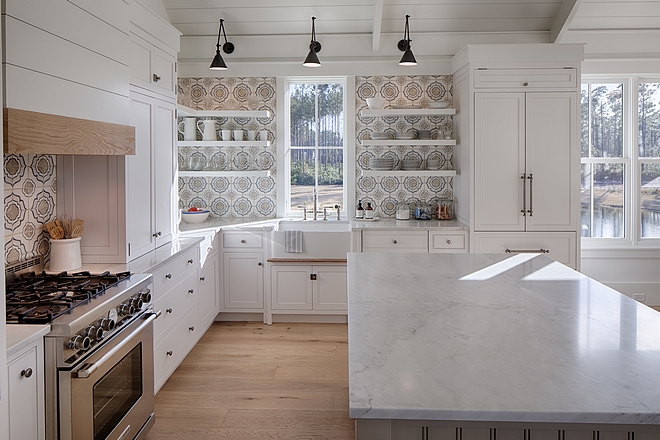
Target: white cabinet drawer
{"type": "Point", "coordinates": [395, 241]}
{"type": "Point", "coordinates": [172, 272]}
{"type": "Point", "coordinates": [174, 304]}
{"type": "Point", "coordinates": [528, 79]}
{"type": "Point", "coordinates": [447, 242]}
{"type": "Point", "coordinates": [169, 353]}
{"type": "Point", "coordinates": [561, 246]}
{"type": "Point", "coordinates": [245, 240]}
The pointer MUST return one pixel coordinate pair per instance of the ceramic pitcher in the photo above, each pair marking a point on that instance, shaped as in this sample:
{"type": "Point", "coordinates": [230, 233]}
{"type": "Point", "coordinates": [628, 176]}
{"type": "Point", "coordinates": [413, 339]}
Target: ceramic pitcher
{"type": "Point", "coordinates": [188, 127]}
{"type": "Point", "coordinates": [208, 130]}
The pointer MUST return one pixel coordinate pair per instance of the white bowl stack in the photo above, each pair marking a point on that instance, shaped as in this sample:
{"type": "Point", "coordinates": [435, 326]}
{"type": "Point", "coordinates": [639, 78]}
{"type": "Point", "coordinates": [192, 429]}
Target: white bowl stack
{"type": "Point", "coordinates": [376, 103]}
{"type": "Point", "coordinates": [410, 164]}
{"type": "Point", "coordinates": [381, 164]}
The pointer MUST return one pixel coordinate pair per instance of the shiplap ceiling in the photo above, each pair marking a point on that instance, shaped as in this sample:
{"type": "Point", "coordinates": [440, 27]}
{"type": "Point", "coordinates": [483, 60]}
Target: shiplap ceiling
{"type": "Point", "coordinates": [273, 30]}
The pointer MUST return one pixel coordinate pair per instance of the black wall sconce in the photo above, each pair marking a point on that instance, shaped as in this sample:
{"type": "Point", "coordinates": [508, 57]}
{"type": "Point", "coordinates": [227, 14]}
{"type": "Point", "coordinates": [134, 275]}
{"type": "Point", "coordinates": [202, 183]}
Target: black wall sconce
{"type": "Point", "coordinates": [218, 63]}
{"type": "Point", "coordinates": [408, 59]}
{"type": "Point", "coordinates": [314, 47]}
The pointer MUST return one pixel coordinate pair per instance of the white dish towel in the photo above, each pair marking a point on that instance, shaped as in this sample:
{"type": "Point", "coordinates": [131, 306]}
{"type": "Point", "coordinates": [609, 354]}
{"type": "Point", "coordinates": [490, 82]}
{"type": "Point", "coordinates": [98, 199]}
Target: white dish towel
{"type": "Point", "coordinates": [293, 241]}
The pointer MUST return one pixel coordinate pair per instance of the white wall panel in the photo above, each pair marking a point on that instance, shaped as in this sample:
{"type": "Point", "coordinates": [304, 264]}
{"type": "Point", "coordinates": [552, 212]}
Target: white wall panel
{"type": "Point", "coordinates": [40, 51]}
{"type": "Point", "coordinates": [70, 22]}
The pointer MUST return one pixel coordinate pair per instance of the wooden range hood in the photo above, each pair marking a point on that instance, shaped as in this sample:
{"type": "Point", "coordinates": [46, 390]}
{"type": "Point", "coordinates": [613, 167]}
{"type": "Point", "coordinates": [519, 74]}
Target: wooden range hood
{"type": "Point", "coordinates": [27, 132]}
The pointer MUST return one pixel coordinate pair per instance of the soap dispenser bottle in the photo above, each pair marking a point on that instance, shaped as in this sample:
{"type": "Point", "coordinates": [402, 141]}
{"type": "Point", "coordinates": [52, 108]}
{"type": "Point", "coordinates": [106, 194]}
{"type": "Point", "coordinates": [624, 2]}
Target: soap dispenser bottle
{"type": "Point", "coordinates": [359, 211]}
{"type": "Point", "coordinates": [368, 212]}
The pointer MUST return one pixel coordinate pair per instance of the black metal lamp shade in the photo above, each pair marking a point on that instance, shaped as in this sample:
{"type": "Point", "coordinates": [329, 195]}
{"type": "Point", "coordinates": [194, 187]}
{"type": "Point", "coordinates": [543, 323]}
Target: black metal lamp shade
{"type": "Point", "coordinates": [312, 59]}
{"type": "Point", "coordinates": [408, 59]}
{"type": "Point", "coordinates": [218, 63]}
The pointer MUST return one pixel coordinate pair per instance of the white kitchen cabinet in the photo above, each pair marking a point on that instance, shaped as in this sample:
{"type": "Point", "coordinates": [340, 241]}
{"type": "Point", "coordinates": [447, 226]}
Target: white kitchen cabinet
{"type": "Point", "coordinates": [519, 149]}
{"type": "Point", "coordinates": [26, 393]}
{"type": "Point", "coordinates": [309, 287]}
{"type": "Point", "coordinates": [176, 295]}
{"type": "Point", "coordinates": [243, 280]}
{"type": "Point", "coordinates": [448, 242]}
{"type": "Point", "coordinates": [243, 257]}
{"type": "Point", "coordinates": [560, 246]}
{"type": "Point", "coordinates": [151, 67]}
{"type": "Point", "coordinates": [128, 202]}
{"type": "Point", "coordinates": [395, 241]}
{"type": "Point", "coordinates": [209, 297]}
{"type": "Point", "coordinates": [524, 161]}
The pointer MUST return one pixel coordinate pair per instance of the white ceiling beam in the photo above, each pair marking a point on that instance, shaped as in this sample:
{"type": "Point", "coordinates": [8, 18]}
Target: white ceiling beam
{"type": "Point", "coordinates": [378, 22]}
{"type": "Point", "coordinates": [563, 19]}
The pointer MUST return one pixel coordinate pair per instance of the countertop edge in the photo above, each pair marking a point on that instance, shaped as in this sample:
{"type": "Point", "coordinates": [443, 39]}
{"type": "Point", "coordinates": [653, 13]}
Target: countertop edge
{"type": "Point", "coordinates": [20, 336]}
{"type": "Point", "coordinates": [621, 418]}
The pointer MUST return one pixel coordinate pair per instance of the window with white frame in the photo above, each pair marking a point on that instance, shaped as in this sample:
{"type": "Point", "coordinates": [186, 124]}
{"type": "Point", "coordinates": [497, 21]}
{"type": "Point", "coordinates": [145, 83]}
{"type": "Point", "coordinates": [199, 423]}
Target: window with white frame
{"type": "Point", "coordinates": [315, 144]}
{"type": "Point", "coordinates": [620, 149]}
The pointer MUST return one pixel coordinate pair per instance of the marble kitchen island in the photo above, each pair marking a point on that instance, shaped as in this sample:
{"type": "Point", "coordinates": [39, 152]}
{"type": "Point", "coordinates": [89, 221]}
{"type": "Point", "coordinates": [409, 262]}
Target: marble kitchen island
{"type": "Point", "coordinates": [497, 347]}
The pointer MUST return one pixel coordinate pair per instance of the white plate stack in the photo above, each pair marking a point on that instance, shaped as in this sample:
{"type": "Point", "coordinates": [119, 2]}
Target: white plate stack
{"type": "Point", "coordinates": [381, 164]}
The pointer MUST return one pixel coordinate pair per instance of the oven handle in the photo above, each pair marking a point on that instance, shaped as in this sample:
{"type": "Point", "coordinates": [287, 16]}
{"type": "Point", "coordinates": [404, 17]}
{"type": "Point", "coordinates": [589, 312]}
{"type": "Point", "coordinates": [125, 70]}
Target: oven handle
{"type": "Point", "coordinates": [83, 374]}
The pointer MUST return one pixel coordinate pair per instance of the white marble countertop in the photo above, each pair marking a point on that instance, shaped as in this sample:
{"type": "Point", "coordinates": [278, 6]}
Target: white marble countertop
{"type": "Point", "coordinates": [390, 223]}
{"type": "Point", "coordinates": [150, 261]}
{"type": "Point", "coordinates": [20, 336]}
{"type": "Point", "coordinates": [216, 223]}
{"type": "Point", "coordinates": [481, 337]}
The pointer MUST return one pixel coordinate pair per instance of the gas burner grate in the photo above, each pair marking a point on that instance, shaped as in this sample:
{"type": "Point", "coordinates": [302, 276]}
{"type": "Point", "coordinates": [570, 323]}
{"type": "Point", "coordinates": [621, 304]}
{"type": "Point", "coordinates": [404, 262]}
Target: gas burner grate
{"type": "Point", "coordinates": [39, 298]}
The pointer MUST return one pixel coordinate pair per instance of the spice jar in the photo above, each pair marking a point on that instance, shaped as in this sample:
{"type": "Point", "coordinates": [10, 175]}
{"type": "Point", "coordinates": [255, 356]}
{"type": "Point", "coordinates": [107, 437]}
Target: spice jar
{"type": "Point", "coordinates": [445, 209]}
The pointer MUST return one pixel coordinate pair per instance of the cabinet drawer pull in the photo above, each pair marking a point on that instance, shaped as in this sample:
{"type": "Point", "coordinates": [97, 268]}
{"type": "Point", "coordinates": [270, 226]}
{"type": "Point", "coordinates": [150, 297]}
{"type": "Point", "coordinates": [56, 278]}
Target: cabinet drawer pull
{"type": "Point", "coordinates": [202, 278]}
{"type": "Point", "coordinates": [524, 210]}
{"type": "Point", "coordinates": [26, 373]}
{"type": "Point", "coordinates": [156, 78]}
{"type": "Point", "coordinates": [526, 251]}
{"type": "Point", "coordinates": [169, 310]}
{"type": "Point", "coordinates": [243, 241]}
{"type": "Point", "coordinates": [169, 353]}
{"type": "Point", "coordinates": [191, 291]}
{"type": "Point", "coordinates": [525, 84]}
{"type": "Point", "coordinates": [191, 328]}
{"type": "Point", "coordinates": [191, 261]}
{"type": "Point", "coordinates": [259, 263]}
{"type": "Point", "coordinates": [448, 241]}
{"type": "Point", "coordinates": [395, 242]}
{"type": "Point", "coordinates": [531, 195]}
{"type": "Point", "coordinates": [168, 276]}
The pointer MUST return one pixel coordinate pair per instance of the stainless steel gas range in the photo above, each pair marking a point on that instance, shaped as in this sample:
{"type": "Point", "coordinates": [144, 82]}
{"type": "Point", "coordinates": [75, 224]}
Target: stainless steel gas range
{"type": "Point", "coordinates": [99, 375]}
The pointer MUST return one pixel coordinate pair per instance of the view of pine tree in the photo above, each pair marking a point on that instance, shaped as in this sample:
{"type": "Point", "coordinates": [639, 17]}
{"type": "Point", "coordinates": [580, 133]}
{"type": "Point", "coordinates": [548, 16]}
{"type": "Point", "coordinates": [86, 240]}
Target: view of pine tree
{"type": "Point", "coordinates": [649, 120]}
{"type": "Point", "coordinates": [317, 127]}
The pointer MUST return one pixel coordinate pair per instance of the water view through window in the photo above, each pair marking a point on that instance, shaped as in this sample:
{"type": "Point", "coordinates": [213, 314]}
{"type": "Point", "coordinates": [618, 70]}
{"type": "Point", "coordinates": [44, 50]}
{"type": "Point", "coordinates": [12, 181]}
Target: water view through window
{"type": "Point", "coordinates": [613, 169]}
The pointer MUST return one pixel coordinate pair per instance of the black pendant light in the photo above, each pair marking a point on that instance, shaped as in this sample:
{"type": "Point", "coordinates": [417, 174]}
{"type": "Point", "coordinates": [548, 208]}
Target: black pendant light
{"type": "Point", "coordinates": [218, 63]}
{"type": "Point", "coordinates": [408, 59]}
{"type": "Point", "coordinates": [314, 47]}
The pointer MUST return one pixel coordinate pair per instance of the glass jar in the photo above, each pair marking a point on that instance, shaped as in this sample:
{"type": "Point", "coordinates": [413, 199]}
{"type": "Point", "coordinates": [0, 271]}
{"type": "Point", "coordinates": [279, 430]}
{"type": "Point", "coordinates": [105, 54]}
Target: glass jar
{"type": "Point", "coordinates": [445, 209]}
{"type": "Point", "coordinates": [422, 211]}
{"type": "Point", "coordinates": [402, 211]}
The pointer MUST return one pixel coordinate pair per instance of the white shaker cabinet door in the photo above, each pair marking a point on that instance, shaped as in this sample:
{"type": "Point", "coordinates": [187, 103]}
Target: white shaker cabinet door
{"type": "Point", "coordinates": [553, 161]}
{"type": "Point", "coordinates": [499, 161]}
{"type": "Point", "coordinates": [138, 196]}
{"type": "Point", "coordinates": [164, 172]}
{"type": "Point", "coordinates": [243, 280]}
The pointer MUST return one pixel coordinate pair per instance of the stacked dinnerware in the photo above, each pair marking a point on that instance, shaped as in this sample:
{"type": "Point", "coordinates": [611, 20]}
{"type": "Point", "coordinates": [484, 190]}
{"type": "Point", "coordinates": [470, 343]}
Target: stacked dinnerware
{"type": "Point", "coordinates": [381, 164]}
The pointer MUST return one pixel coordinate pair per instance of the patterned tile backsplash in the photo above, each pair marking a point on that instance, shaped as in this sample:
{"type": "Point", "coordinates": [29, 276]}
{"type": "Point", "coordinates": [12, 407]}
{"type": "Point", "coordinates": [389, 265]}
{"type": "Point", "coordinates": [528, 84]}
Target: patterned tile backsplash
{"type": "Point", "coordinates": [29, 203]}
{"type": "Point", "coordinates": [385, 192]}
{"type": "Point", "coordinates": [238, 195]}
{"type": "Point", "coordinates": [30, 192]}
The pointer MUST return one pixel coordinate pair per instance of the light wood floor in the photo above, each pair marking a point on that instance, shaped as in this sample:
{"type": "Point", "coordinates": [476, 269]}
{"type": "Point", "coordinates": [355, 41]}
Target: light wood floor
{"type": "Point", "coordinates": [253, 381]}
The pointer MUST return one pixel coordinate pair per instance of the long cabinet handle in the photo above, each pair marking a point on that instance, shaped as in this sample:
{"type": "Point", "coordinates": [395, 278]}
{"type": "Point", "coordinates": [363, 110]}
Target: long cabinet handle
{"type": "Point", "coordinates": [531, 195]}
{"type": "Point", "coordinates": [524, 210]}
{"type": "Point", "coordinates": [526, 251]}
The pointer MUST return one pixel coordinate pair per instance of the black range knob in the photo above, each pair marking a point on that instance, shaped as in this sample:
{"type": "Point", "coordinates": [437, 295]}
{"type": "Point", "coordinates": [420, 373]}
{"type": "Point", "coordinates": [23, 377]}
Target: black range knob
{"type": "Point", "coordinates": [94, 333]}
{"type": "Point", "coordinates": [107, 324]}
{"type": "Point", "coordinates": [80, 342]}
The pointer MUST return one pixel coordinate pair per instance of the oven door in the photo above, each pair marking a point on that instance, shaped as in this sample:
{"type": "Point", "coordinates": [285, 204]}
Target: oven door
{"type": "Point", "coordinates": [111, 394]}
